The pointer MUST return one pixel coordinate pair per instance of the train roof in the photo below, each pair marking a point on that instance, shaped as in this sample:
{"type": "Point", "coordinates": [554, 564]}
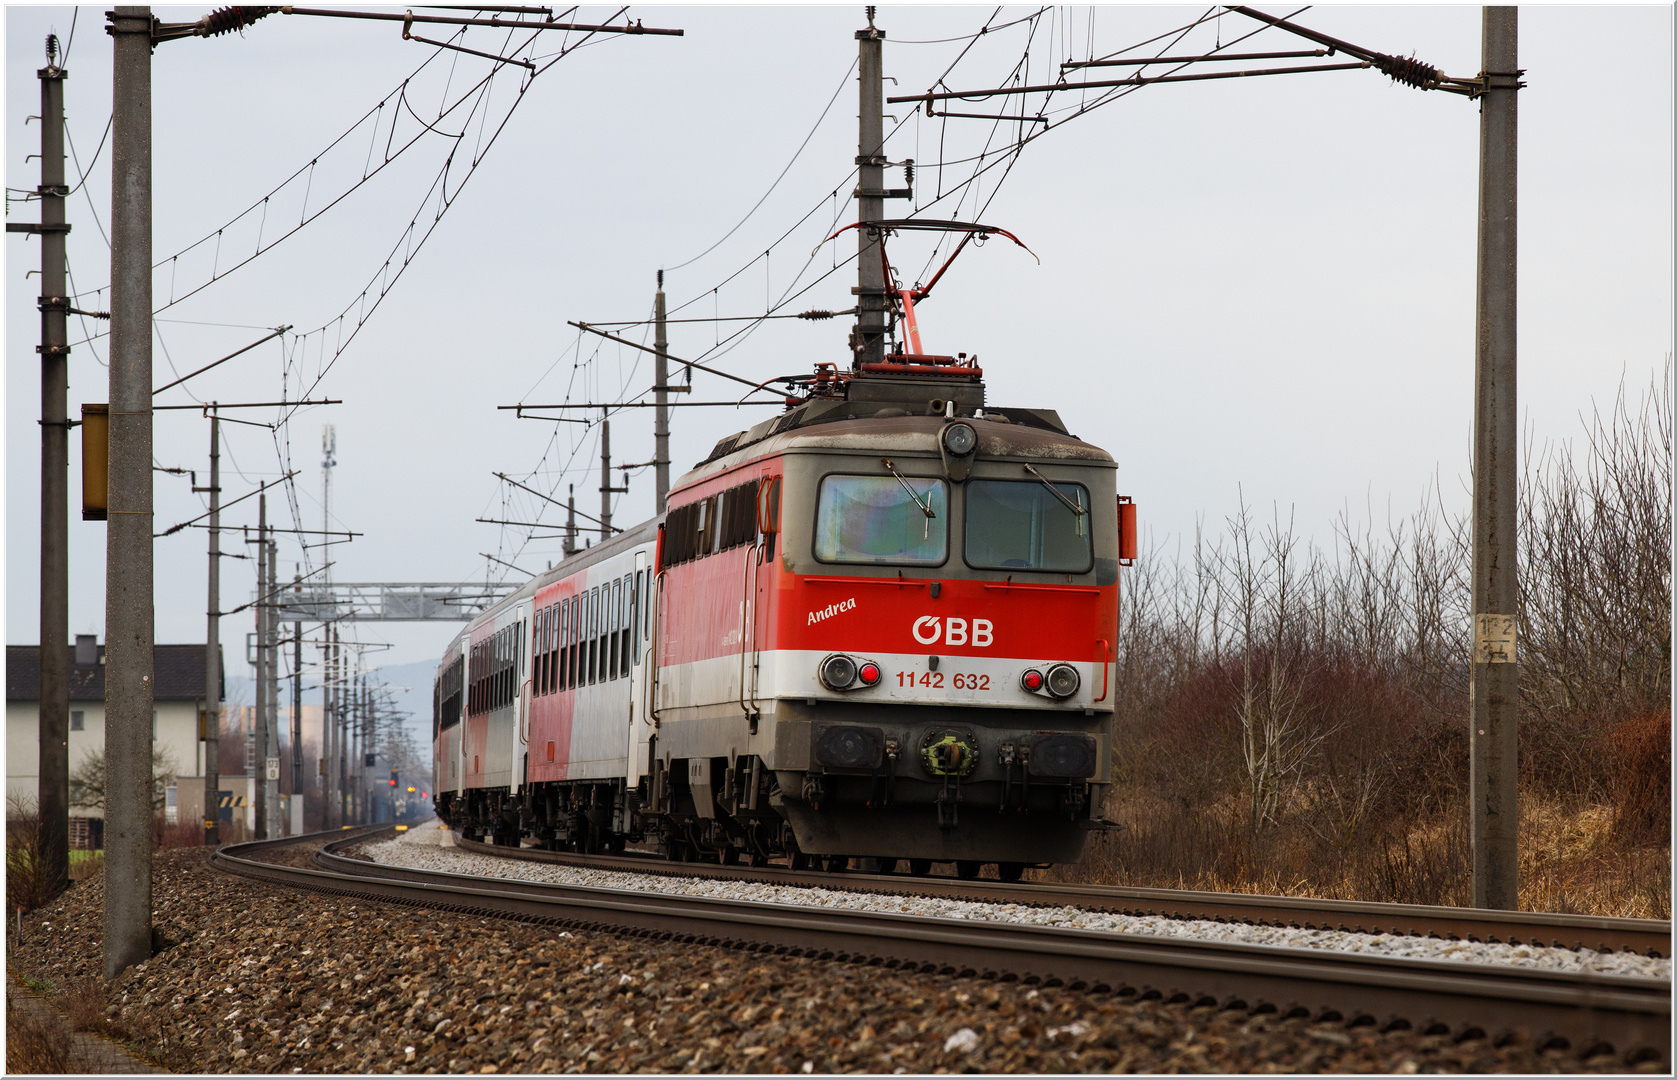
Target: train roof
{"type": "Point", "coordinates": [906, 421]}
{"type": "Point", "coordinates": [627, 540]}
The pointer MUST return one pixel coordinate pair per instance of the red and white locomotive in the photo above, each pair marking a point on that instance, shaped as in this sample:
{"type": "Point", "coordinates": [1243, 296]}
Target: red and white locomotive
{"type": "Point", "coordinates": [879, 625]}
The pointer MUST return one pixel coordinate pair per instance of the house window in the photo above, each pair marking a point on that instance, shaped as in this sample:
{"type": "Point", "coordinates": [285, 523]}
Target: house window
{"type": "Point", "coordinates": [78, 719]}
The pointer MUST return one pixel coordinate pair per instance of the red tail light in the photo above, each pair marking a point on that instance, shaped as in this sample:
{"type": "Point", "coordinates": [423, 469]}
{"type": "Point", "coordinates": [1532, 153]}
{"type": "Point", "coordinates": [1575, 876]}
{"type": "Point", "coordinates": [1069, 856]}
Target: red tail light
{"type": "Point", "coordinates": [868, 673]}
{"type": "Point", "coordinates": [1031, 680]}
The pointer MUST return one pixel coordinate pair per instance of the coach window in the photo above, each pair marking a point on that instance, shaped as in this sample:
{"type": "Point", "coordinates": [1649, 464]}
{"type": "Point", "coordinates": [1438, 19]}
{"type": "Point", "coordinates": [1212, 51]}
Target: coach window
{"type": "Point", "coordinates": [570, 642]}
{"type": "Point", "coordinates": [537, 619]}
{"type": "Point", "coordinates": [634, 614]}
{"type": "Point", "coordinates": [882, 520]}
{"type": "Point", "coordinates": [547, 649]}
{"type": "Point", "coordinates": [617, 624]}
{"type": "Point", "coordinates": [538, 654]}
{"type": "Point", "coordinates": [609, 628]}
{"type": "Point", "coordinates": [591, 604]}
{"type": "Point", "coordinates": [564, 644]}
{"type": "Point", "coordinates": [1027, 525]}
{"type": "Point", "coordinates": [555, 618]}
{"type": "Point", "coordinates": [621, 594]}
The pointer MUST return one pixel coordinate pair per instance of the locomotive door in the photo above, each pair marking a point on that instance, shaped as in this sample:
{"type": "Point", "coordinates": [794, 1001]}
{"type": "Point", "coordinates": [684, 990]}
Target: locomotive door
{"type": "Point", "coordinates": [640, 683]}
{"type": "Point", "coordinates": [762, 559]}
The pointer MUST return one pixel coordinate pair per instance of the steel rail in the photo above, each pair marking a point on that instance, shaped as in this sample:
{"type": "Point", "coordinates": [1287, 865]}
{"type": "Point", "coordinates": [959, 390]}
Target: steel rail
{"type": "Point", "coordinates": [1646, 937]}
{"type": "Point", "coordinates": [1591, 1013]}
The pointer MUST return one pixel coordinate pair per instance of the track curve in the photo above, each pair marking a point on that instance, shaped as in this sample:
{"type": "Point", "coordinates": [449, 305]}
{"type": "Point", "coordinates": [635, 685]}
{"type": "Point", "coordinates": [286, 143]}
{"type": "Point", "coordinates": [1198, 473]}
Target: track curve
{"type": "Point", "coordinates": [1646, 937]}
{"type": "Point", "coordinates": [1584, 1011]}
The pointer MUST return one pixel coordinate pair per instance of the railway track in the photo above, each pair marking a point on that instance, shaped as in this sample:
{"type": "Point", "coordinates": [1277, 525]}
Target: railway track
{"type": "Point", "coordinates": [1586, 1012]}
{"type": "Point", "coordinates": [1646, 937]}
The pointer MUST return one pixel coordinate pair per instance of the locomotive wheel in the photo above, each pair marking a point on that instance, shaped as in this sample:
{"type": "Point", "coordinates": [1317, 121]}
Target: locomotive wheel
{"type": "Point", "coordinates": [920, 867]}
{"type": "Point", "coordinates": [837, 863]}
{"type": "Point", "coordinates": [618, 843]}
{"type": "Point", "coordinates": [885, 866]}
{"type": "Point", "coordinates": [1010, 871]}
{"type": "Point", "coordinates": [967, 871]}
{"type": "Point", "coordinates": [730, 856]}
{"type": "Point", "coordinates": [799, 861]}
{"type": "Point", "coordinates": [759, 859]}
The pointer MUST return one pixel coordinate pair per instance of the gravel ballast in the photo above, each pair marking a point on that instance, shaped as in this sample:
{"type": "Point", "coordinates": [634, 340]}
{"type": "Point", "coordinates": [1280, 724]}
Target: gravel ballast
{"type": "Point", "coordinates": [260, 978]}
{"type": "Point", "coordinates": [428, 849]}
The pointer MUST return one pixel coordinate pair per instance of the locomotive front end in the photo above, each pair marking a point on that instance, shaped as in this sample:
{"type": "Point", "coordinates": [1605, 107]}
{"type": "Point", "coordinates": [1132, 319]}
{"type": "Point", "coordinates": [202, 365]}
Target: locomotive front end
{"type": "Point", "coordinates": [924, 642]}
{"type": "Point", "coordinates": [943, 669]}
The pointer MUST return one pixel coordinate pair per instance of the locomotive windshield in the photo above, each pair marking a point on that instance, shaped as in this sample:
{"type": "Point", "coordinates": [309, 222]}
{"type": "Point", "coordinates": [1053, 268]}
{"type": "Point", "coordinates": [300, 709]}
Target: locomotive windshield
{"type": "Point", "coordinates": [879, 519]}
{"type": "Point", "coordinates": [1025, 525]}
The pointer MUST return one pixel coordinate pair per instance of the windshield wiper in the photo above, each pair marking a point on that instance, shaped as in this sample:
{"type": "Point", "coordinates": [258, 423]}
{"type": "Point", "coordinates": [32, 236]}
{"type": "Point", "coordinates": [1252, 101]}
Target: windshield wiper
{"type": "Point", "coordinates": [924, 508]}
{"type": "Point", "coordinates": [1075, 507]}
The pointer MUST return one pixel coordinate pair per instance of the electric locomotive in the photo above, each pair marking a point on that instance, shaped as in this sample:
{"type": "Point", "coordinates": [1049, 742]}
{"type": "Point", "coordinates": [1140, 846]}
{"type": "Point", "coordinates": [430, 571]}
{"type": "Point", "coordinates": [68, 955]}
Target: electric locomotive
{"type": "Point", "coordinates": [879, 625]}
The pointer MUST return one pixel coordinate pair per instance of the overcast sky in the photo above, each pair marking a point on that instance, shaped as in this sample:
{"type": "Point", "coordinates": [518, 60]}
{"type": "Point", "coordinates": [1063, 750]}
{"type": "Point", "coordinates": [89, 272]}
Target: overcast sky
{"type": "Point", "coordinates": [1258, 287]}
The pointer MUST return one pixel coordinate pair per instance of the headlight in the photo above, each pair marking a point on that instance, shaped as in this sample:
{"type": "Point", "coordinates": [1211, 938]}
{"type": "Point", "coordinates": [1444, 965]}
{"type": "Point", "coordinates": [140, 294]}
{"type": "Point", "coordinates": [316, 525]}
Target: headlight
{"type": "Point", "coordinates": [960, 439]}
{"type": "Point", "coordinates": [838, 671]}
{"type": "Point", "coordinates": [1063, 680]}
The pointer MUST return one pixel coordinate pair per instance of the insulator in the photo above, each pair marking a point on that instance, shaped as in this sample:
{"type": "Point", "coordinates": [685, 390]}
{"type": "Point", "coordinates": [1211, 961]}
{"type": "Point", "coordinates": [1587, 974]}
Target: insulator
{"type": "Point", "coordinates": [1410, 71]}
{"type": "Point", "coordinates": [908, 172]}
{"type": "Point", "coordinates": [52, 49]}
{"type": "Point", "coordinates": [223, 20]}
{"type": "Point", "coordinates": [815, 314]}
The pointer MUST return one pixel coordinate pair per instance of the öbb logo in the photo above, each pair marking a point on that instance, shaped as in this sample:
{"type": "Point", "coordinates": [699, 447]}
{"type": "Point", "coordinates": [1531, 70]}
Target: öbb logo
{"type": "Point", "coordinates": [928, 629]}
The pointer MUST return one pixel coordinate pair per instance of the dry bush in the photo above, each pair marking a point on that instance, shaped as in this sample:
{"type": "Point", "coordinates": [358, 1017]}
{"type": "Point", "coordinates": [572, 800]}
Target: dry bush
{"type": "Point", "coordinates": [181, 834]}
{"type": "Point", "coordinates": [29, 883]}
{"type": "Point", "coordinates": [34, 1043]}
{"type": "Point", "coordinates": [1642, 779]}
{"type": "Point", "coordinates": [1293, 719]}
{"type": "Point", "coordinates": [84, 1005]}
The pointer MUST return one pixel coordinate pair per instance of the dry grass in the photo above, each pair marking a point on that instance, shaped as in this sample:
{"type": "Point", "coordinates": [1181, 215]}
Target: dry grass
{"type": "Point", "coordinates": [84, 1006]}
{"type": "Point", "coordinates": [1570, 859]}
{"type": "Point", "coordinates": [35, 1043]}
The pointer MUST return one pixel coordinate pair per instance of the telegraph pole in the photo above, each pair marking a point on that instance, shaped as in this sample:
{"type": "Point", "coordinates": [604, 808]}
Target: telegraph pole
{"type": "Point", "coordinates": [299, 778]}
{"type": "Point", "coordinates": [129, 633]}
{"type": "Point", "coordinates": [569, 547]}
{"type": "Point", "coordinates": [868, 341]}
{"type": "Point", "coordinates": [606, 490]}
{"type": "Point", "coordinates": [212, 650]}
{"type": "Point", "coordinates": [354, 740]}
{"type": "Point", "coordinates": [325, 724]}
{"type": "Point", "coordinates": [1494, 735]}
{"type": "Point", "coordinates": [271, 725]}
{"type": "Point", "coordinates": [262, 672]}
{"type": "Point", "coordinates": [661, 398]}
{"type": "Point", "coordinates": [53, 779]}
{"type": "Point", "coordinates": [342, 708]}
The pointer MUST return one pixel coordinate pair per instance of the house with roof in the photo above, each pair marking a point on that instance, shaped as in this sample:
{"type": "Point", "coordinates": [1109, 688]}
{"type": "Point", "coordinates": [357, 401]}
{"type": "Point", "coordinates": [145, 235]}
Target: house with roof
{"type": "Point", "coordinates": [178, 704]}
